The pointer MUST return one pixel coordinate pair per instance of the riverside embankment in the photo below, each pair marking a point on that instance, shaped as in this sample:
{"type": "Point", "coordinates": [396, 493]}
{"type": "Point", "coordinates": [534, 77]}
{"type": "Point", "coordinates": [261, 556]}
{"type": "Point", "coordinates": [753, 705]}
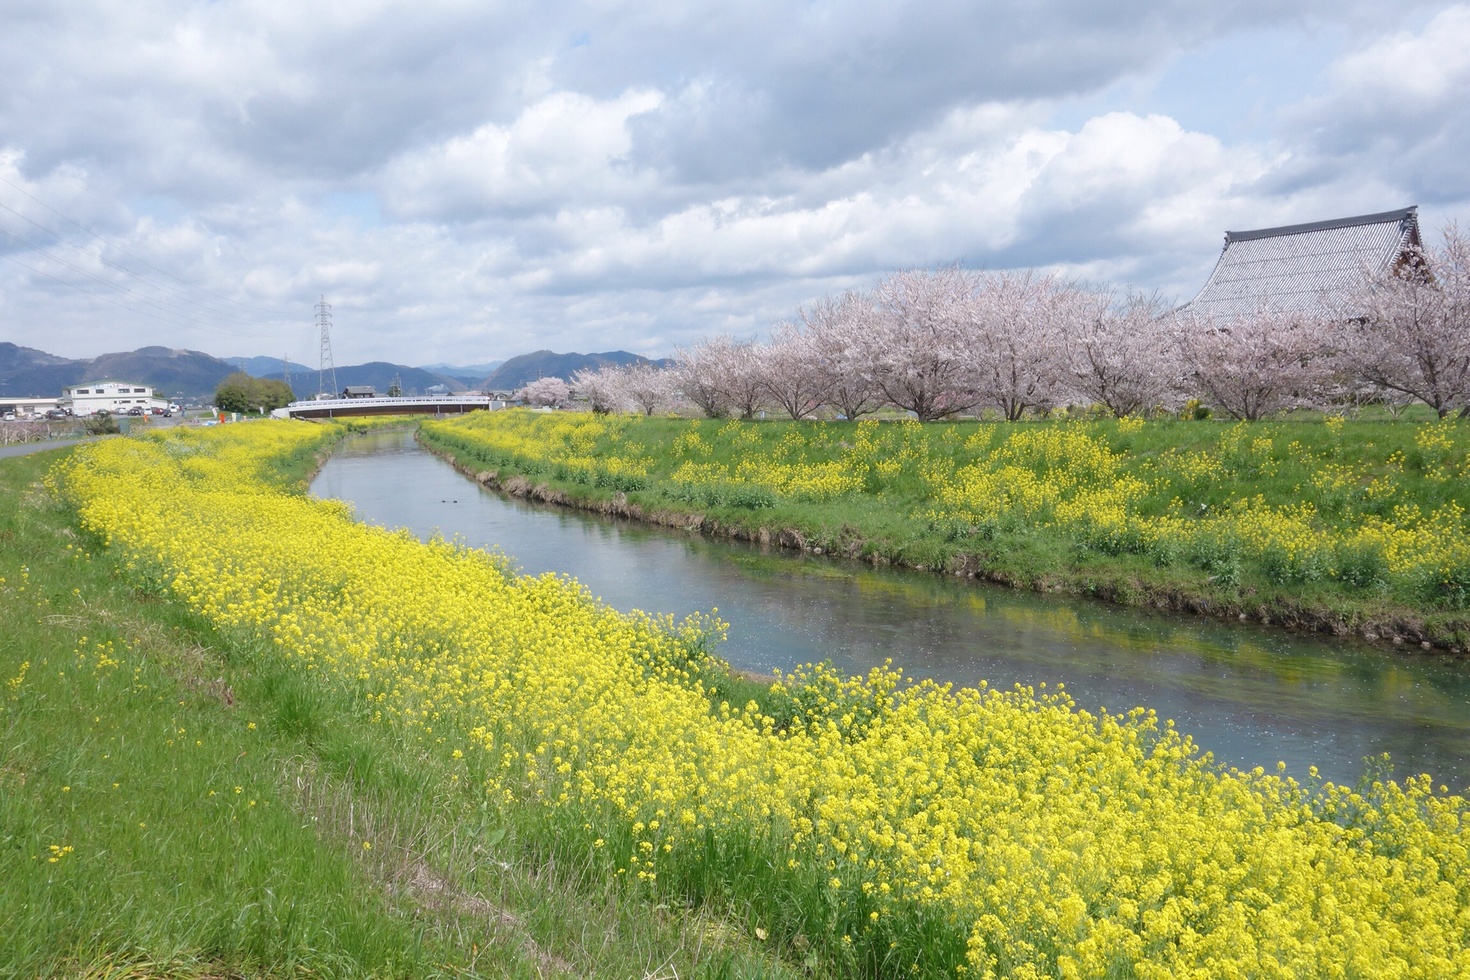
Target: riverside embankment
{"type": "Point", "coordinates": [1250, 694]}
{"type": "Point", "coordinates": [1334, 526]}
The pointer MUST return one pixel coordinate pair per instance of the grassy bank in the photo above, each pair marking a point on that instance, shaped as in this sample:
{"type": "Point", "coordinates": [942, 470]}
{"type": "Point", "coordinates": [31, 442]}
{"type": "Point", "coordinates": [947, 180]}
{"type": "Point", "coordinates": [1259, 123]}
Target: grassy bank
{"type": "Point", "coordinates": [177, 800]}
{"type": "Point", "coordinates": [1337, 525]}
{"type": "Point", "coordinates": [860, 827]}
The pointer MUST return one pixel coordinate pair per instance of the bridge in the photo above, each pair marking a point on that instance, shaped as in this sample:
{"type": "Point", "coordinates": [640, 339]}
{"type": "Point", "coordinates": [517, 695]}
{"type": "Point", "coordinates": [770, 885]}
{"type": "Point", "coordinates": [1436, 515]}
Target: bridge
{"type": "Point", "coordinates": [345, 408]}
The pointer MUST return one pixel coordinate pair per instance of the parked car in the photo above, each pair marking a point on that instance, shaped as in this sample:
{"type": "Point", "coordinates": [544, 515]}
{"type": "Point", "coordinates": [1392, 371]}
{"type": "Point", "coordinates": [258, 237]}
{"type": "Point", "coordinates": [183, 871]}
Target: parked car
{"type": "Point", "coordinates": [136, 411]}
{"type": "Point", "coordinates": [56, 413]}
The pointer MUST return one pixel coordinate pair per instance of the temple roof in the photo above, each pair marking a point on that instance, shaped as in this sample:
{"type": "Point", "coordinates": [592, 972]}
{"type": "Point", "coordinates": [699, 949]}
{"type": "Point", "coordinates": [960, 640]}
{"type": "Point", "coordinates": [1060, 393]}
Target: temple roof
{"type": "Point", "coordinates": [1299, 268]}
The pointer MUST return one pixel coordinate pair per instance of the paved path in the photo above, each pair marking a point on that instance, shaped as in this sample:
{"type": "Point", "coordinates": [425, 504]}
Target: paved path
{"type": "Point", "coordinates": [26, 448]}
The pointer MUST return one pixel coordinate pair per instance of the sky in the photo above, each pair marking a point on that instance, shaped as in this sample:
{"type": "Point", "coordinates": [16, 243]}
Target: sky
{"type": "Point", "coordinates": [467, 180]}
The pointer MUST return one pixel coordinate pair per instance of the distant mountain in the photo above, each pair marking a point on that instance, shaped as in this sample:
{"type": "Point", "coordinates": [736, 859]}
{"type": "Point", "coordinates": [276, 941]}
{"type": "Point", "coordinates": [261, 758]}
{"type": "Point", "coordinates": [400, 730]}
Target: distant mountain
{"type": "Point", "coordinates": [263, 367]}
{"type": "Point", "coordinates": [172, 372]}
{"type": "Point", "coordinates": [521, 371]}
{"type": "Point", "coordinates": [466, 370]}
{"type": "Point", "coordinates": [26, 371]}
{"type": "Point", "coordinates": [469, 375]}
{"type": "Point", "coordinates": [456, 376]}
{"type": "Point", "coordinates": [380, 375]}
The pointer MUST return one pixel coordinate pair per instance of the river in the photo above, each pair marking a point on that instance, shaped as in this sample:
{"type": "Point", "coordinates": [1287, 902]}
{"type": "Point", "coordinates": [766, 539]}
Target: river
{"type": "Point", "coordinates": [1249, 695]}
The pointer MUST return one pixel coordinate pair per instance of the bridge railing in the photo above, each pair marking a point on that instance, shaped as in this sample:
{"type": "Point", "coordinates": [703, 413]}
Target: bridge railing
{"type": "Point", "coordinates": [407, 403]}
{"type": "Point", "coordinates": [391, 400]}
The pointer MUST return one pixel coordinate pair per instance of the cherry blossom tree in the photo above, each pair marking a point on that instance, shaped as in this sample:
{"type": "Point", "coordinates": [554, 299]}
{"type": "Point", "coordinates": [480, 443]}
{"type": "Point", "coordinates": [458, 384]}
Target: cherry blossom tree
{"type": "Point", "coordinates": [1119, 352]}
{"type": "Point", "coordinates": [1408, 327]}
{"type": "Point", "coordinates": [1015, 344]}
{"type": "Point", "coordinates": [546, 392]}
{"type": "Point", "coordinates": [696, 375]}
{"type": "Point", "coordinates": [603, 388]}
{"type": "Point", "coordinates": [647, 387]}
{"type": "Point", "coordinates": [791, 370]}
{"type": "Point", "coordinates": [843, 333]}
{"type": "Point", "coordinates": [742, 375]}
{"type": "Point", "coordinates": [722, 376]}
{"type": "Point", "coordinates": [920, 340]}
{"type": "Point", "coordinates": [1257, 364]}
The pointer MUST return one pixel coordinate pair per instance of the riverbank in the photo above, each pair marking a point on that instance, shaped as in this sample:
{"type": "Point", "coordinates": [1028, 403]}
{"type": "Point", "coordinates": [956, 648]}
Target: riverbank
{"type": "Point", "coordinates": [1332, 526]}
{"type": "Point", "coordinates": [882, 830]}
{"type": "Point", "coordinates": [1250, 695]}
{"type": "Point", "coordinates": [176, 801]}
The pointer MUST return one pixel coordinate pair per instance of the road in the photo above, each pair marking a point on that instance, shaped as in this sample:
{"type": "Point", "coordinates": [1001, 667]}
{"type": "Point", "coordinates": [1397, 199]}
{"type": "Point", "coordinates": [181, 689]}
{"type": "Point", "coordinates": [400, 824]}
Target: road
{"type": "Point", "coordinates": [26, 448]}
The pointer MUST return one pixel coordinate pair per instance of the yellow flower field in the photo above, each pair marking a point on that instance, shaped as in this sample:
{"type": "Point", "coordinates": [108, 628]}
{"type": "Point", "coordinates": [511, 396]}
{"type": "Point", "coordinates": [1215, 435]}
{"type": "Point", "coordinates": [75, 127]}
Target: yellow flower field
{"type": "Point", "coordinates": [1337, 511]}
{"type": "Point", "coordinates": [896, 828]}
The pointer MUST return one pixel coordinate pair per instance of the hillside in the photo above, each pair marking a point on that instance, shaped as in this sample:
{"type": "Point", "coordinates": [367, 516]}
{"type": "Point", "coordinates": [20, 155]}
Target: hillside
{"type": "Point", "coordinates": [25, 371]}
{"type": "Point", "coordinates": [469, 375]}
{"type": "Point", "coordinates": [520, 371]}
{"type": "Point", "coordinates": [380, 375]}
{"type": "Point", "coordinates": [305, 380]}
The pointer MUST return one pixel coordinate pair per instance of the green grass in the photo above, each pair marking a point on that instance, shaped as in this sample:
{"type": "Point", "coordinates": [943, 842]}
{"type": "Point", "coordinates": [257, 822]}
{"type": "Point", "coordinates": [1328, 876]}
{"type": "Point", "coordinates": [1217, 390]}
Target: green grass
{"type": "Point", "coordinates": [172, 803]}
{"type": "Point", "coordinates": [893, 518]}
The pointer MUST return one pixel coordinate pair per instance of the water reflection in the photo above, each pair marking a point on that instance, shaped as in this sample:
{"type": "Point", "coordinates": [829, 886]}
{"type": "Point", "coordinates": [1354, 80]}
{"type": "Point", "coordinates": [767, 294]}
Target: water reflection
{"type": "Point", "coordinates": [1249, 695]}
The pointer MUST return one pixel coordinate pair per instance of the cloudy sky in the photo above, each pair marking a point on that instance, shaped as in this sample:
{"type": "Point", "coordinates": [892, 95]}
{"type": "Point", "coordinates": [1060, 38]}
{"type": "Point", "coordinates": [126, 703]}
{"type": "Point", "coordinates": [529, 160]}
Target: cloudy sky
{"type": "Point", "coordinates": [465, 180]}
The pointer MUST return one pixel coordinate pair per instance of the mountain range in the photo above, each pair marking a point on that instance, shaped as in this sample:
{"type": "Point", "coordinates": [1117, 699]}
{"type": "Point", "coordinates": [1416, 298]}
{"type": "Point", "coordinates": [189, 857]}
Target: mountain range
{"type": "Point", "coordinates": [522, 370]}
{"type": "Point", "coordinates": [304, 377]}
{"type": "Point", "coordinates": [26, 371]}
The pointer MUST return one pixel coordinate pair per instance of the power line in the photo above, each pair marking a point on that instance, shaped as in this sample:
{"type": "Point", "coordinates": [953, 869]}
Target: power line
{"type": "Point", "coordinates": [164, 314]}
{"type": "Point", "coordinates": [100, 280]}
{"type": "Point", "coordinates": [105, 299]}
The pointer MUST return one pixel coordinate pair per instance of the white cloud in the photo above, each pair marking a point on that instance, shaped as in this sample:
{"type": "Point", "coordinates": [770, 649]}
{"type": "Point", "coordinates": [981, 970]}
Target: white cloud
{"type": "Point", "coordinates": [468, 180]}
{"type": "Point", "coordinates": [1397, 112]}
{"type": "Point", "coordinates": [1411, 73]}
{"type": "Point", "coordinates": [564, 148]}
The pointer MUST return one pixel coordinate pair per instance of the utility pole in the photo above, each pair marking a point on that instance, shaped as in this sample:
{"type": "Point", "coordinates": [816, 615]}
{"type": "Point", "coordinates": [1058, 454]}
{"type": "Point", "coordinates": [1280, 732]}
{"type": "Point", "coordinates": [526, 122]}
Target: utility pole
{"type": "Point", "coordinates": [324, 321]}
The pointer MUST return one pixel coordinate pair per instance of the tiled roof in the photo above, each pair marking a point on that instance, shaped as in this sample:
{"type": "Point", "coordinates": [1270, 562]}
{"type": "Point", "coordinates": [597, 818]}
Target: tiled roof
{"type": "Point", "coordinates": [1298, 268]}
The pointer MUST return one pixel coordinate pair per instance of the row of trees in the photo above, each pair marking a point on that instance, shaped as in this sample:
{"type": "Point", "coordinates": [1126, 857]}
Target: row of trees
{"type": "Point", "coordinates": [949, 341]}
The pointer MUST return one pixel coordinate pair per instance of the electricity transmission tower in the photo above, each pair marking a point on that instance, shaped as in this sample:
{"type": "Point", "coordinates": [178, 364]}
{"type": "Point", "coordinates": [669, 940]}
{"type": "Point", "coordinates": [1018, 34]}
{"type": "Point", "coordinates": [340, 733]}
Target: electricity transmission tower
{"type": "Point", "coordinates": [324, 321]}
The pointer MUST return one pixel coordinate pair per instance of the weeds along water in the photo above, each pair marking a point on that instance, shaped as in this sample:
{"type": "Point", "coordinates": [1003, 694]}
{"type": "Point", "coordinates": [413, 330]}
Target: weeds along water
{"type": "Point", "coordinates": [859, 824]}
{"type": "Point", "coordinates": [1332, 524]}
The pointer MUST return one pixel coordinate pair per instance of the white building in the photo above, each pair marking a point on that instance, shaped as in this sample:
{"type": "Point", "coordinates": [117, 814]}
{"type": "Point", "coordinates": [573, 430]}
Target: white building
{"type": "Point", "coordinates": [27, 406]}
{"type": "Point", "coordinates": [111, 396]}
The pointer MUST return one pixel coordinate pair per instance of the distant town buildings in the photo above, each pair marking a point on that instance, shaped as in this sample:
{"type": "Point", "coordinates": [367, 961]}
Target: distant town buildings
{"type": "Point", "coordinates": [92, 397]}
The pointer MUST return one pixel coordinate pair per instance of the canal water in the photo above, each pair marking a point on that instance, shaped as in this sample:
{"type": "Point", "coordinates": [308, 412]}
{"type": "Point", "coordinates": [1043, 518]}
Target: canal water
{"type": "Point", "coordinates": [1251, 696]}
